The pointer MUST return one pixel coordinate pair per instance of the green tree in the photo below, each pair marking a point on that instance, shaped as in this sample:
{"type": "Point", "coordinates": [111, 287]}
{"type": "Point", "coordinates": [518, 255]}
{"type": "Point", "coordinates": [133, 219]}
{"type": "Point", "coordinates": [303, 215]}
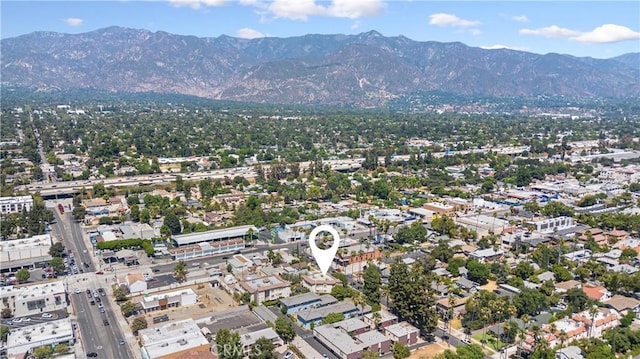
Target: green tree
{"type": "Point", "coordinates": [78, 213]}
{"type": "Point", "coordinates": [173, 222]}
{"type": "Point", "coordinates": [400, 351]}
{"type": "Point", "coordinates": [412, 233]}
{"type": "Point", "coordinates": [285, 330]}
{"type": "Point", "coordinates": [369, 354]}
{"type": "Point", "coordinates": [56, 249]}
{"type": "Point", "coordinates": [180, 271]}
{"type": "Point", "coordinates": [577, 299]}
{"type": "Point", "coordinates": [4, 332]}
{"type": "Point", "coordinates": [99, 190]}
{"type": "Point", "coordinates": [472, 351]}
{"type": "Point", "coordinates": [454, 265]}
{"type": "Point", "coordinates": [127, 308]}
{"type": "Point", "coordinates": [145, 216]}
{"type": "Point", "coordinates": [120, 294]}
{"type": "Point", "coordinates": [478, 272]}
{"type": "Point", "coordinates": [138, 324]}
{"type": "Point", "coordinates": [411, 296]}
{"type": "Point", "coordinates": [263, 349]}
{"type": "Point", "coordinates": [372, 282]}
{"type": "Point", "coordinates": [135, 213]}
{"type": "Point", "coordinates": [23, 275]}
{"type": "Point", "coordinates": [6, 312]}
{"type": "Point", "coordinates": [43, 352]}
{"type": "Point", "coordinates": [228, 344]}
{"type": "Point", "coordinates": [332, 318]}
{"type": "Point", "coordinates": [57, 263]}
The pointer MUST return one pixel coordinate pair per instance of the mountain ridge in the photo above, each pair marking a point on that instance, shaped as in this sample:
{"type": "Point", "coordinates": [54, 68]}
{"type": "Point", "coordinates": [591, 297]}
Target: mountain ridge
{"type": "Point", "coordinates": [362, 70]}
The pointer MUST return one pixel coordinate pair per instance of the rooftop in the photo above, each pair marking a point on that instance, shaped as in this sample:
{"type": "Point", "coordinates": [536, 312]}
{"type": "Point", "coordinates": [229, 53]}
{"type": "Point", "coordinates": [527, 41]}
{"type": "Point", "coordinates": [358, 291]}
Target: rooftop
{"type": "Point", "coordinates": [264, 283]}
{"type": "Point", "coordinates": [20, 340]}
{"type": "Point", "coordinates": [300, 299]}
{"type": "Point", "coordinates": [214, 235]}
{"type": "Point", "coordinates": [171, 338]}
{"type": "Point", "coordinates": [319, 313]}
{"type": "Point", "coordinates": [33, 291]}
{"type": "Point", "coordinates": [401, 329]}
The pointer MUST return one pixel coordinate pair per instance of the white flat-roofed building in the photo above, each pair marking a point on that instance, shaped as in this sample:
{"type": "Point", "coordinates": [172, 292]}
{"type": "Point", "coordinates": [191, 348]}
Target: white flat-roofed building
{"type": "Point", "coordinates": [164, 301]}
{"type": "Point", "coordinates": [214, 235]}
{"type": "Point", "coordinates": [25, 252]}
{"type": "Point", "coordinates": [319, 283]}
{"type": "Point", "coordinates": [173, 340]}
{"type": "Point", "coordinates": [266, 288]}
{"type": "Point", "coordinates": [34, 299]}
{"type": "Point", "coordinates": [206, 249]}
{"type": "Point", "coordinates": [347, 345]}
{"type": "Point", "coordinates": [551, 225]}
{"type": "Point", "coordinates": [21, 340]}
{"type": "Point", "coordinates": [249, 339]}
{"type": "Point", "coordinates": [15, 204]}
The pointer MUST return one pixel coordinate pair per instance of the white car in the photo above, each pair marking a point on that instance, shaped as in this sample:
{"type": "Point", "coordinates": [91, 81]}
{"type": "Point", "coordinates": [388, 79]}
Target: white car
{"type": "Point", "coordinates": [18, 320]}
{"type": "Point", "coordinates": [78, 291]}
{"type": "Point", "coordinates": [47, 315]}
{"type": "Point", "coordinates": [195, 264]}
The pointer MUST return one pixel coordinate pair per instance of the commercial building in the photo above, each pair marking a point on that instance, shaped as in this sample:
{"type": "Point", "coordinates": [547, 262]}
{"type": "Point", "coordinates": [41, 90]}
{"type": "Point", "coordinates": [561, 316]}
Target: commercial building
{"type": "Point", "coordinates": [306, 301]}
{"type": "Point", "coordinates": [266, 288]}
{"type": "Point", "coordinates": [439, 208]}
{"type": "Point", "coordinates": [20, 341]}
{"type": "Point", "coordinates": [200, 244]}
{"type": "Point", "coordinates": [34, 299]}
{"type": "Point", "coordinates": [359, 253]}
{"type": "Point", "coordinates": [173, 341]}
{"type": "Point", "coordinates": [15, 204]}
{"type": "Point", "coordinates": [550, 225]}
{"type": "Point", "coordinates": [25, 252]}
{"type": "Point", "coordinates": [164, 301]}
{"type": "Point", "coordinates": [135, 282]}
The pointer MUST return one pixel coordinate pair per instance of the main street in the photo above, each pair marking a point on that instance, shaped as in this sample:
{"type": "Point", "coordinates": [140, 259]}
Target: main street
{"type": "Point", "coordinates": [94, 334]}
{"type": "Point", "coordinates": [72, 236]}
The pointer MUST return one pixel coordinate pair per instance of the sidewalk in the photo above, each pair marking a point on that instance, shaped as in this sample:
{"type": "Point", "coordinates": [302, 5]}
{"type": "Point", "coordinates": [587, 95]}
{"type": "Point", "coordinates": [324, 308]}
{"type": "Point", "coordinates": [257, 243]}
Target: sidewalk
{"type": "Point", "coordinates": [305, 348]}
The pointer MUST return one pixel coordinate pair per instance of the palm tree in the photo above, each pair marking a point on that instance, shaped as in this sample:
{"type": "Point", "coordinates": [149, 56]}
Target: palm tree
{"type": "Point", "coordinates": [384, 290]}
{"type": "Point", "coordinates": [180, 271]}
{"type": "Point", "coordinates": [593, 311]}
{"type": "Point", "coordinates": [563, 337]}
{"type": "Point", "coordinates": [376, 319]}
{"type": "Point", "coordinates": [359, 300]}
{"type": "Point", "coordinates": [485, 314]}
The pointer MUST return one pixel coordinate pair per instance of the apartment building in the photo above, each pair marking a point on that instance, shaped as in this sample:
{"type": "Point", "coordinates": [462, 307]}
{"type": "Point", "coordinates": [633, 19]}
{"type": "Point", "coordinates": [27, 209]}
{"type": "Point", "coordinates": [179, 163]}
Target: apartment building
{"type": "Point", "coordinates": [266, 288]}
{"type": "Point", "coordinates": [15, 204]}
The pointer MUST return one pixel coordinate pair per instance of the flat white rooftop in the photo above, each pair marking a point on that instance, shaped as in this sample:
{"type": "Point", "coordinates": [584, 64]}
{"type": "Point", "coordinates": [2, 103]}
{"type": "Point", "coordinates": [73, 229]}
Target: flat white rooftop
{"type": "Point", "coordinates": [32, 291]}
{"type": "Point", "coordinates": [22, 339]}
{"type": "Point", "coordinates": [171, 338]}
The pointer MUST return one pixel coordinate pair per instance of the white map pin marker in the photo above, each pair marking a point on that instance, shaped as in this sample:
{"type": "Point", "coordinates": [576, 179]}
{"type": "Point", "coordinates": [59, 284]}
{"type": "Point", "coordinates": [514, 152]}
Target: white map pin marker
{"type": "Point", "coordinates": [324, 257]}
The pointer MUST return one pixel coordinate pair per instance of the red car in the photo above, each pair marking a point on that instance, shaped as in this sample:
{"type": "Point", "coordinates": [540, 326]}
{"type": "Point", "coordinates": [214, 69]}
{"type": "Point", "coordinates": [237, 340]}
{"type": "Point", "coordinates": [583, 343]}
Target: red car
{"type": "Point", "coordinates": [101, 272]}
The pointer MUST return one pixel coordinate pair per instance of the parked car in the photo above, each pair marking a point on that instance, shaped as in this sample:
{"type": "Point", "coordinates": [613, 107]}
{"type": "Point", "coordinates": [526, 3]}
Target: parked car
{"type": "Point", "coordinates": [92, 355]}
{"type": "Point", "coordinates": [47, 315]}
{"type": "Point", "coordinates": [288, 355]}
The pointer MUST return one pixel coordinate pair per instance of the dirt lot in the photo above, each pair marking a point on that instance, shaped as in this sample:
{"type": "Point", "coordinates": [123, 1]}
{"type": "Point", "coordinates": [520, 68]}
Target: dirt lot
{"type": "Point", "coordinates": [490, 286]}
{"type": "Point", "coordinates": [211, 300]}
{"type": "Point", "coordinates": [429, 351]}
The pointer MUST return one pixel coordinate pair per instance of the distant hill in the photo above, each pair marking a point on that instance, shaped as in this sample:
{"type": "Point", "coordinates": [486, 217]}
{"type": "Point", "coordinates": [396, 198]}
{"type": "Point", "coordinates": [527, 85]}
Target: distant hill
{"type": "Point", "coordinates": [365, 70]}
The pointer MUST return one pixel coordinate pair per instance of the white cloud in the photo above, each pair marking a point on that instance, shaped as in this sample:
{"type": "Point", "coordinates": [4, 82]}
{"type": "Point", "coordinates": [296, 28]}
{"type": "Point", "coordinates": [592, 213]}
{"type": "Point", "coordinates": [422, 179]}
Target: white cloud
{"type": "Point", "coordinates": [197, 4]}
{"type": "Point", "coordinates": [552, 31]}
{"type": "Point", "coordinates": [295, 10]}
{"type": "Point", "coordinates": [355, 25]}
{"type": "Point", "coordinates": [247, 33]}
{"type": "Point", "coordinates": [475, 32]}
{"type": "Point", "coordinates": [496, 47]}
{"type": "Point", "coordinates": [73, 21]}
{"type": "Point", "coordinates": [442, 19]}
{"type": "Point", "coordinates": [354, 9]}
{"type": "Point", "coordinates": [302, 9]}
{"type": "Point", "coordinates": [520, 18]}
{"type": "Point", "coordinates": [607, 33]}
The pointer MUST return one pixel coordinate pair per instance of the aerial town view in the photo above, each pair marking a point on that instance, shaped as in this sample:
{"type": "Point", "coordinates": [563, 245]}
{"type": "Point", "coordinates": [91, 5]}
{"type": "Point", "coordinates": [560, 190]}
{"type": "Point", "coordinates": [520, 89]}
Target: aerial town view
{"type": "Point", "coordinates": [270, 179]}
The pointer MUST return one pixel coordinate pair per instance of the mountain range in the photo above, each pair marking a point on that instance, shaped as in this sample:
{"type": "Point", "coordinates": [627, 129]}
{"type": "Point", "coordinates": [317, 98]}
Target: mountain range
{"type": "Point", "coordinates": [364, 70]}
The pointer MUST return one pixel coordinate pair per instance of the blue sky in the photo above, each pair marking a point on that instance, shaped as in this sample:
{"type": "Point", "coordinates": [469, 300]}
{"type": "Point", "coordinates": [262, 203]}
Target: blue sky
{"type": "Point", "coordinates": [589, 28]}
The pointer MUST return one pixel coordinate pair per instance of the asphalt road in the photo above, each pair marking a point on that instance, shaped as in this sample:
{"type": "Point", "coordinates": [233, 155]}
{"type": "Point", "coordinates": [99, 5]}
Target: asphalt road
{"type": "Point", "coordinates": [95, 336]}
{"type": "Point", "coordinates": [71, 234]}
